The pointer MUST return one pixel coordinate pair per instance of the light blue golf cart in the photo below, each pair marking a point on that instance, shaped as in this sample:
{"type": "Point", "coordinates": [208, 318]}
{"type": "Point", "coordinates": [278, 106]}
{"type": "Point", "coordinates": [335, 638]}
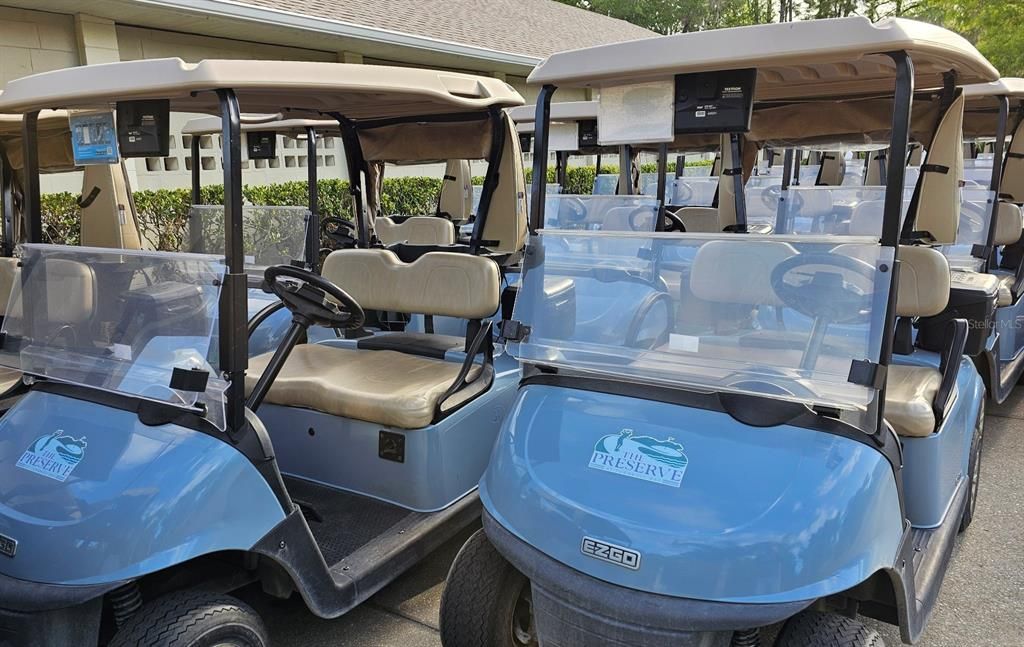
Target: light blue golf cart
{"type": "Point", "coordinates": [737, 478]}
{"type": "Point", "coordinates": [153, 466]}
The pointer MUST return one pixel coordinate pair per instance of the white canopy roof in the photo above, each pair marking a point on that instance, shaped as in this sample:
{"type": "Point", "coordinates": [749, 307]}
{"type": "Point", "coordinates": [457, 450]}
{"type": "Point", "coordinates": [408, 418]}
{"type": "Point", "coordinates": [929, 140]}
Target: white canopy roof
{"type": "Point", "coordinates": [299, 88]}
{"type": "Point", "coordinates": [804, 59]}
{"type": "Point", "coordinates": [273, 123]}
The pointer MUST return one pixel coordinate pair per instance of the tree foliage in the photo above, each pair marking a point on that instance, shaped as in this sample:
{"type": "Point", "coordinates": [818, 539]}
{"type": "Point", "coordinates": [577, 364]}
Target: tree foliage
{"type": "Point", "coordinates": [992, 25]}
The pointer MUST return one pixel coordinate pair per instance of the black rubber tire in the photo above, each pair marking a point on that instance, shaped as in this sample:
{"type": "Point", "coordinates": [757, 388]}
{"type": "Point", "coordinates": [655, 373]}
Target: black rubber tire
{"type": "Point", "coordinates": [193, 619]}
{"type": "Point", "coordinates": [974, 471]}
{"type": "Point", "coordinates": [480, 598]}
{"type": "Point", "coordinates": [819, 629]}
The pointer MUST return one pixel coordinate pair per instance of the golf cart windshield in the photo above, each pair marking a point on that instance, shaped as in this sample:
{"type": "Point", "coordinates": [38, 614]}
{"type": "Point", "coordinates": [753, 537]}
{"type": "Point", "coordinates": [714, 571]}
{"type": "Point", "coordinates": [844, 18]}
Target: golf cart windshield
{"type": "Point", "coordinates": [787, 317]}
{"type": "Point", "coordinates": [600, 212]}
{"type": "Point", "coordinates": [137, 323]}
{"type": "Point", "coordinates": [975, 213]}
{"type": "Point", "coordinates": [270, 235]}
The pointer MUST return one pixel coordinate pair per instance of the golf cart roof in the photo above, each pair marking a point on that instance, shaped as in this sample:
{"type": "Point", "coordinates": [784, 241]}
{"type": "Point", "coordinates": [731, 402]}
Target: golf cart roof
{"type": "Point", "coordinates": [795, 60]}
{"type": "Point", "coordinates": [560, 111]}
{"type": "Point", "coordinates": [306, 88]}
{"type": "Point", "coordinates": [981, 111]}
{"type": "Point", "coordinates": [212, 125]}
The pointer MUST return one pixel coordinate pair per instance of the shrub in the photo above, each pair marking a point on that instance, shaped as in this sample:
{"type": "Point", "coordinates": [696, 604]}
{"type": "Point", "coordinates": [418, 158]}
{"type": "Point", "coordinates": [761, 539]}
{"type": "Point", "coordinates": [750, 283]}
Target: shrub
{"type": "Point", "coordinates": [163, 213]}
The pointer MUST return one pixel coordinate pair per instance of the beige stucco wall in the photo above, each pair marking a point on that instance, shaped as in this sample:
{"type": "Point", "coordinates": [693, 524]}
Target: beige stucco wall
{"type": "Point", "coordinates": [35, 41]}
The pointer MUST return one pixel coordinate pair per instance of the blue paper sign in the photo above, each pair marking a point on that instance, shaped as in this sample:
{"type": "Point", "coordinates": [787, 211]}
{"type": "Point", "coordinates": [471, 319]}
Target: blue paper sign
{"type": "Point", "coordinates": [94, 138]}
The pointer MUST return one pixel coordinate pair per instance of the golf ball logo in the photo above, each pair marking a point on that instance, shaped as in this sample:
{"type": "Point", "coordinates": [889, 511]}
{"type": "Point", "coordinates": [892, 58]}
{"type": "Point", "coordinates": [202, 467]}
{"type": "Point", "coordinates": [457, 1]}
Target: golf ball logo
{"type": "Point", "coordinates": [640, 457]}
{"type": "Point", "coordinates": [54, 456]}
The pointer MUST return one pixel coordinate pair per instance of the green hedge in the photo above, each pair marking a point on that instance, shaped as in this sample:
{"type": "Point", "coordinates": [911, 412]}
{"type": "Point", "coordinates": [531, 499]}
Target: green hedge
{"type": "Point", "coordinates": [163, 214]}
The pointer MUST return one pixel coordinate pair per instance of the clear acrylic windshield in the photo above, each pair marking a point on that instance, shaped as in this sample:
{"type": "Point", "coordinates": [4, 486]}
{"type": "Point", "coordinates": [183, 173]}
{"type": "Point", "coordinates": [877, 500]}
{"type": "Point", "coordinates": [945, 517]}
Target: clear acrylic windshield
{"type": "Point", "coordinates": [117, 320]}
{"type": "Point", "coordinates": [605, 184]}
{"type": "Point", "coordinates": [600, 212]}
{"type": "Point", "coordinates": [778, 316]}
{"type": "Point", "coordinates": [694, 191]}
{"type": "Point", "coordinates": [649, 183]}
{"type": "Point", "coordinates": [978, 172]}
{"type": "Point", "coordinates": [270, 235]}
{"type": "Point", "coordinates": [972, 229]}
{"type": "Point", "coordinates": [830, 210]}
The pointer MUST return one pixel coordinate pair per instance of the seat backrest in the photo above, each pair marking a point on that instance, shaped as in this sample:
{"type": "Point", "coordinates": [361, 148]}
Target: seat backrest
{"type": "Point", "coordinates": [9, 273]}
{"type": "Point", "coordinates": [727, 187]}
{"type": "Point", "coordinates": [1012, 184]}
{"type": "Point", "coordinates": [924, 281]}
{"type": "Point", "coordinates": [456, 201]}
{"type": "Point", "coordinates": [833, 168]}
{"type": "Point", "coordinates": [506, 224]}
{"type": "Point", "coordinates": [73, 299]}
{"type": "Point", "coordinates": [416, 230]}
{"type": "Point", "coordinates": [726, 271]}
{"type": "Point", "coordinates": [109, 220]}
{"type": "Point", "coordinates": [873, 176]}
{"type": "Point", "coordinates": [937, 209]}
{"type": "Point", "coordinates": [1009, 223]}
{"type": "Point", "coordinates": [437, 283]}
{"type": "Point", "coordinates": [699, 219]}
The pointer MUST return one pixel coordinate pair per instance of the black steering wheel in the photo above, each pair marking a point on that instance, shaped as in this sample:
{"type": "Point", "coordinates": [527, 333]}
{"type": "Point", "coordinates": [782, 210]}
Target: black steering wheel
{"type": "Point", "coordinates": [340, 233]}
{"type": "Point", "coordinates": [571, 213]}
{"type": "Point", "coordinates": [830, 296]}
{"type": "Point", "coordinates": [673, 222]}
{"type": "Point", "coordinates": [313, 298]}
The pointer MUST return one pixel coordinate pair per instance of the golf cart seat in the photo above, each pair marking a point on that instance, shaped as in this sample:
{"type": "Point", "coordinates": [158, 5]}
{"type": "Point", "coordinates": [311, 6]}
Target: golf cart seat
{"type": "Point", "coordinates": [416, 230]}
{"type": "Point", "coordinates": [913, 401]}
{"type": "Point", "coordinates": [388, 387]}
{"type": "Point", "coordinates": [1008, 231]}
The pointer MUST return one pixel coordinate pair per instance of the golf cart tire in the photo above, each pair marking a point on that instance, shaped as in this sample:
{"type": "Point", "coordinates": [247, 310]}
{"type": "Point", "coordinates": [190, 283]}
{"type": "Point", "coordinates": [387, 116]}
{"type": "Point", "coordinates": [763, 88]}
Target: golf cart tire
{"type": "Point", "coordinates": [974, 471]}
{"type": "Point", "coordinates": [820, 629]}
{"type": "Point", "coordinates": [193, 619]}
{"type": "Point", "coordinates": [480, 596]}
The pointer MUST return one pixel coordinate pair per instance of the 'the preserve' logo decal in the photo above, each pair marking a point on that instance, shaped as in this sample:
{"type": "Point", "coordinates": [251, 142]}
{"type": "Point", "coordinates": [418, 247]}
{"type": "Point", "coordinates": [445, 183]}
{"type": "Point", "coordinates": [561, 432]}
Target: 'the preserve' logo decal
{"type": "Point", "coordinates": [54, 456]}
{"type": "Point", "coordinates": [640, 457]}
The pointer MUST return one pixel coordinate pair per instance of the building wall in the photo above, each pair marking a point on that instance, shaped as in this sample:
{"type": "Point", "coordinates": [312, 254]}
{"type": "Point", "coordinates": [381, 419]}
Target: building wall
{"type": "Point", "coordinates": [35, 41]}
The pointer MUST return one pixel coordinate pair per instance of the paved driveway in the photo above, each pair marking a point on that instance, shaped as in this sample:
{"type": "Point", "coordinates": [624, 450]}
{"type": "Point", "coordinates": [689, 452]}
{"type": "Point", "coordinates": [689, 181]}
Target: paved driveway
{"type": "Point", "coordinates": [981, 603]}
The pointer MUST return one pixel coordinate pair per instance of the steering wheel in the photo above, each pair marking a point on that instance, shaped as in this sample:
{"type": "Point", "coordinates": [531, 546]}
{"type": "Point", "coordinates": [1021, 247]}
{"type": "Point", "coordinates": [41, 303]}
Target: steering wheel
{"type": "Point", "coordinates": [571, 213]}
{"type": "Point", "coordinates": [313, 298]}
{"type": "Point", "coordinates": [830, 296]}
{"type": "Point", "coordinates": [673, 222]}
{"type": "Point", "coordinates": [340, 233]}
{"type": "Point", "coordinates": [683, 194]}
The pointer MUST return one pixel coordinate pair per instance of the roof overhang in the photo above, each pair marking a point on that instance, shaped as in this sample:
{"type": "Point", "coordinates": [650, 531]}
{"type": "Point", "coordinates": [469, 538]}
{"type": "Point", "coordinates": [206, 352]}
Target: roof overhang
{"type": "Point", "coordinates": [259, 123]}
{"type": "Point", "coordinates": [299, 89]}
{"type": "Point", "coordinates": [840, 57]}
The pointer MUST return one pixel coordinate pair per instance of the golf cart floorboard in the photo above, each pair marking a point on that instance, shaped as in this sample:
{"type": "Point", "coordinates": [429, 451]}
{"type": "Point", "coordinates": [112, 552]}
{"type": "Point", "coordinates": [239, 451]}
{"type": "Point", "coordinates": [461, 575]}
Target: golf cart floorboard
{"type": "Point", "coordinates": [342, 522]}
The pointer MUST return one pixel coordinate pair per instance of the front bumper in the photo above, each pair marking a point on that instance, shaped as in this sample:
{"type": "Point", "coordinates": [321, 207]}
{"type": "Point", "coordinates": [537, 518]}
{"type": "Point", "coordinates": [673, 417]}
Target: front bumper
{"type": "Point", "coordinates": [572, 608]}
{"type": "Point", "coordinates": [49, 615]}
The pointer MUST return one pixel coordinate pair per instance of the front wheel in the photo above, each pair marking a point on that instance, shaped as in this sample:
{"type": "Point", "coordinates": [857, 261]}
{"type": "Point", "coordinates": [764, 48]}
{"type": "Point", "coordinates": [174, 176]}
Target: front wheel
{"type": "Point", "coordinates": [193, 619]}
{"type": "Point", "coordinates": [820, 629]}
{"type": "Point", "coordinates": [486, 601]}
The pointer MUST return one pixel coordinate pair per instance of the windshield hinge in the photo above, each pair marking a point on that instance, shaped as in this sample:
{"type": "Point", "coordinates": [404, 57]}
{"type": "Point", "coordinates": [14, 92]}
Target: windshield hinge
{"type": "Point", "coordinates": [512, 330]}
{"type": "Point", "coordinates": [867, 373]}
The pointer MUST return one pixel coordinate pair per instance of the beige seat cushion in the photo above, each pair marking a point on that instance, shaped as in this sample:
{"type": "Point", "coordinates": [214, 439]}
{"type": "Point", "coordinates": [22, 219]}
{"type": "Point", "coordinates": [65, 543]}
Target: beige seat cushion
{"type": "Point", "coordinates": [9, 379]}
{"type": "Point", "coordinates": [418, 230]}
{"type": "Point", "coordinates": [1006, 281]}
{"type": "Point", "coordinates": [379, 386]}
{"type": "Point", "coordinates": [909, 393]}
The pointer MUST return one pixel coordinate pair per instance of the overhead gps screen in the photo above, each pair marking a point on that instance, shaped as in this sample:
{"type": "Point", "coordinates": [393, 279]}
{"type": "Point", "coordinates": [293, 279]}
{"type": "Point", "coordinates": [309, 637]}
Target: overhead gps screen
{"type": "Point", "coordinates": [143, 128]}
{"type": "Point", "coordinates": [587, 134]}
{"type": "Point", "coordinates": [261, 145]}
{"type": "Point", "coordinates": [715, 102]}
{"type": "Point", "coordinates": [525, 141]}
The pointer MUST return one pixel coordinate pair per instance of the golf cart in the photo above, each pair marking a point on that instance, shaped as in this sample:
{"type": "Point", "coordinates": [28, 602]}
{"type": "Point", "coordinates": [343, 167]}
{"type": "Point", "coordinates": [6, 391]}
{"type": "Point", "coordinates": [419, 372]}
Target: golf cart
{"type": "Point", "coordinates": [141, 477]}
{"type": "Point", "coordinates": [829, 476]}
{"type": "Point", "coordinates": [990, 228]}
